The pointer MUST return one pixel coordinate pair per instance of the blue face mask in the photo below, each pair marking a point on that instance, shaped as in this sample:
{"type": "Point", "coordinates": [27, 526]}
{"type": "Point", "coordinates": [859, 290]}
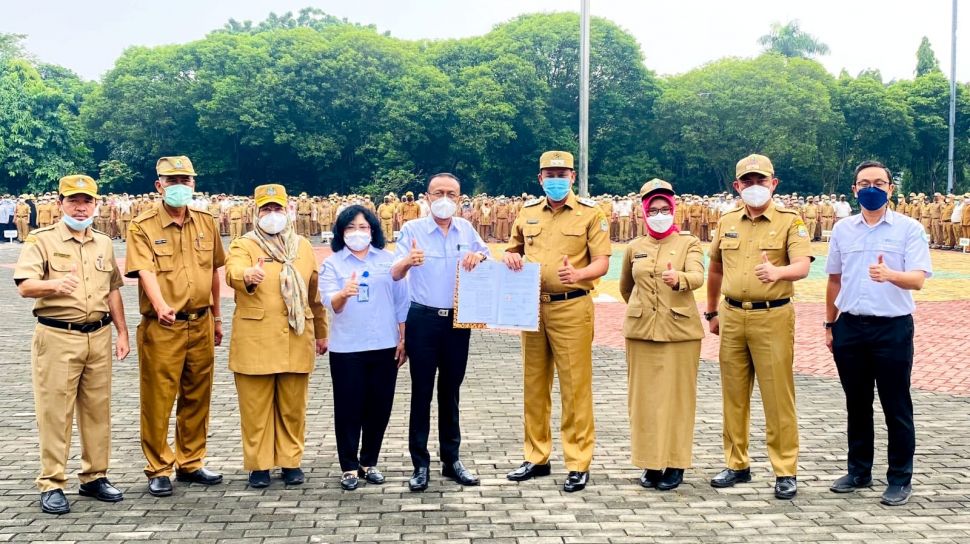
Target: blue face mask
{"type": "Point", "coordinates": [872, 198]}
{"type": "Point", "coordinates": [557, 189]}
{"type": "Point", "coordinates": [178, 196]}
{"type": "Point", "coordinates": [75, 225]}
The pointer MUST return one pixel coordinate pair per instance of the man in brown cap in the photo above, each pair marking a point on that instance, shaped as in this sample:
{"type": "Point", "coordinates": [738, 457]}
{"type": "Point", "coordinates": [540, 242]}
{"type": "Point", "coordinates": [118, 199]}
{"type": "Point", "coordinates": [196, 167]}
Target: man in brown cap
{"type": "Point", "coordinates": [70, 270]}
{"type": "Point", "coordinates": [175, 252]}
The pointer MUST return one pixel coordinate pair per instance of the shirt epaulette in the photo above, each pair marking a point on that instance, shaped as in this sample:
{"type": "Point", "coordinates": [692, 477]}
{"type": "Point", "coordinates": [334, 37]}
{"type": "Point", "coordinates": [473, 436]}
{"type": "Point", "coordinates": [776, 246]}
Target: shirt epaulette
{"type": "Point", "coordinates": [43, 229]}
{"type": "Point", "coordinates": [147, 214]}
{"type": "Point", "coordinates": [587, 202]}
{"type": "Point", "coordinates": [533, 202]}
{"type": "Point", "coordinates": [787, 210]}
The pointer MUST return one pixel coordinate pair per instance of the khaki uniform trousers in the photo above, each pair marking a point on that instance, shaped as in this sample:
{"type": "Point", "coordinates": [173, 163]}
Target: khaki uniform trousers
{"type": "Point", "coordinates": [387, 227]}
{"type": "Point", "coordinates": [563, 344]}
{"type": "Point", "coordinates": [303, 224]}
{"type": "Point", "coordinates": [624, 228]}
{"type": "Point", "coordinates": [812, 226]}
{"type": "Point", "coordinates": [828, 223]}
{"type": "Point", "coordinates": [502, 230]}
{"type": "Point", "coordinates": [759, 343]}
{"type": "Point", "coordinates": [175, 362]}
{"type": "Point", "coordinates": [662, 402]}
{"type": "Point", "coordinates": [235, 228]}
{"type": "Point", "coordinates": [272, 412]}
{"type": "Point", "coordinates": [72, 371]}
{"type": "Point", "coordinates": [695, 226]}
{"type": "Point", "coordinates": [958, 232]}
{"type": "Point", "coordinates": [23, 227]}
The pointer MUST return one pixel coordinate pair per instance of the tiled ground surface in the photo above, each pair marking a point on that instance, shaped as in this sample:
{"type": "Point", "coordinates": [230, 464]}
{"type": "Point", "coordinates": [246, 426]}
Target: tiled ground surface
{"type": "Point", "coordinates": [613, 509]}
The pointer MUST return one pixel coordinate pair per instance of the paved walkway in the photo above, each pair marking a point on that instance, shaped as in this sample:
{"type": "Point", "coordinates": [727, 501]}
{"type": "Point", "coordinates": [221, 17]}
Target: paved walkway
{"type": "Point", "coordinates": [613, 509]}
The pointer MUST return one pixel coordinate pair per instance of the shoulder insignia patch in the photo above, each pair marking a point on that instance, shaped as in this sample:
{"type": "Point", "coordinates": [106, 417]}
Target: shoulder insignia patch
{"type": "Point", "coordinates": [532, 202]}
{"type": "Point", "coordinates": [587, 202]}
{"type": "Point", "coordinates": [604, 226]}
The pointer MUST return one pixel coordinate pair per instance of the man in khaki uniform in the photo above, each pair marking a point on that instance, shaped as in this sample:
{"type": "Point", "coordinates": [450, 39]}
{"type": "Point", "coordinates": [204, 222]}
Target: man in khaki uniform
{"type": "Point", "coordinates": [946, 223]}
{"type": "Point", "coordinates": [71, 272]}
{"type": "Point", "coordinates": [303, 213]}
{"type": "Point", "coordinates": [44, 216]}
{"type": "Point", "coordinates": [386, 213]}
{"type": "Point", "coordinates": [236, 213]}
{"type": "Point", "coordinates": [965, 218]}
{"type": "Point", "coordinates": [326, 215]}
{"type": "Point", "coordinates": [21, 219]}
{"type": "Point", "coordinates": [175, 252]}
{"type": "Point", "coordinates": [569, 238]}
{"type": "Point", "coordinates": [827, 212]}
{"type": "Point", "coordinates": [502, 215]}
{"type": "Point", "coordinates": [409, 209]}
{"type": "Point", "coordinates": [759, 252]}
{"type": "Point", "coordinates": [810, 216]}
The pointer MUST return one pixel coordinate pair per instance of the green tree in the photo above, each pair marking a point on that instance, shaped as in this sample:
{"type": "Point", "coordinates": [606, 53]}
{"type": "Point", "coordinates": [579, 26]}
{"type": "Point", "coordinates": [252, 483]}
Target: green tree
{"type": "Point", "coordinates": [925, 58]}
{"type": "Point", "coordinates": [789, 40]}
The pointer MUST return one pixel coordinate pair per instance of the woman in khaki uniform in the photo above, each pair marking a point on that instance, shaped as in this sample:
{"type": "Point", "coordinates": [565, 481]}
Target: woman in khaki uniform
{"type": "Point", "coordinates": [663, 340]}
{"type": "Point", "coordinates": [278, 325]}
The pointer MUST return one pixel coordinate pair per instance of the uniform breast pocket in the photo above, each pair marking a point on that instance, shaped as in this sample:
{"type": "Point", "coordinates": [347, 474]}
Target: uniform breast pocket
{"type": "Point", "coordinates": [531, 234]}
{"type": "Point", "coordinates": [574, 239]}
{"type": "Point", "coordinates": [103, 269]}
{"type": "Point", "coordinates": [203, 252]}
{"type": "Point", "coordinates": [60, 267]}
{"type": "Point", "coordinates": [775, 248]}
{"type": "Point", "coordinates": [164, 257]}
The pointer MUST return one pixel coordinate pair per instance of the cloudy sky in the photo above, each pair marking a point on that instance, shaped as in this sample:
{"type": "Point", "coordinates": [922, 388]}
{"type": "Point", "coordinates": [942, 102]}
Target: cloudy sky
{"type": "Point", "coordinates": [87, 36]}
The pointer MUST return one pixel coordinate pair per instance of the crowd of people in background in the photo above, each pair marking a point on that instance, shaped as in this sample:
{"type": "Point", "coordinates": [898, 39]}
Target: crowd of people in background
{"type": "Point", "coordinates": [946, 218]}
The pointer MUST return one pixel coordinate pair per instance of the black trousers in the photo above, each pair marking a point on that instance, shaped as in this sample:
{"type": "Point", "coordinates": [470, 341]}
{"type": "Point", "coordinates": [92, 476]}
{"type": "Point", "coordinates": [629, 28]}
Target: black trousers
{"type": "Point", "coordinates": [877, 351]}
{"type": "Point", "coordinates": [363, 393]}
{"type": "Point", "coordinates": [433, 346]}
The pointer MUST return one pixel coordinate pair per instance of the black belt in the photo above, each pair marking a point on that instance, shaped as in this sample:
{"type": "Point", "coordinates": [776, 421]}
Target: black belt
{"type": "Point", "coordinates": [85, 328]}
{"type": "Point", "coordinates": [557, 297]}
{"type": "Point", "coordinates": [191, 316]}
{"type": "Point", "coordinates": [760, 305]}
{"type": "Point", "coordinates": [440, 312]}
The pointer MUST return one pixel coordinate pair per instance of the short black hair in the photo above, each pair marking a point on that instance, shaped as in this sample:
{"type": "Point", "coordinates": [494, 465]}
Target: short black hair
{"type": "Point", "coordinates": [872, 164]}
{"type": "Point", "coordinates": [349, 214]}
{"type": "Point", "coordinates": [448, 175]}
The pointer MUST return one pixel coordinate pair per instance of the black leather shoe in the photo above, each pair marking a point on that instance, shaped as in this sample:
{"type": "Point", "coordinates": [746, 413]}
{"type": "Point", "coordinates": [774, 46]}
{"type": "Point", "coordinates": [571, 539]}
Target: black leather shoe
{"type": "Point", "coordinates": [160, 486]}
{"type": "Point", "coordinates": [54, 502]}
{"type": "Point", "coordinates": [259, 479]}
{"type": "Point", "coordinates": [897, 495]}
{"type": "Point", "coordinates": [349, 481]}
{"type": "Point", "coordinates": [372, 475]}
{"type": "Point", "coordinates": [293, 476]}
{"type": "Point", "coordinates": [576, 481]}
{"type": "Point", "coordinates": [785, 487]}
{"type": "Point", "coordinates": [529, 470]}
{"type": "Point", "coordinates": [100, 489]}
{"type": "Point", "coordinates": [729, 477]}
{"type": "Point", "coordinates": [457, 472]}
{"type": "Point", "coordinates": [672, 478]}
{"type": "Point", "coordinates": [202, 476]}
{"type": "Point", "coordinates": [849, 483]}
{"type": "Point", "coordinates": [419, 479]}
{"type": "Point", "coordinates": [649, 478]}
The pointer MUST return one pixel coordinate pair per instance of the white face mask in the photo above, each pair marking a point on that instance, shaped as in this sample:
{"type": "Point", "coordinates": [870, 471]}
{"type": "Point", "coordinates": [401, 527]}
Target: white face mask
{"type": "Point", "coordinates": [660, 223]}
{"type": "Point", "coordinates": [273, 222]}
{"type": "Point", "coordinates": [756, 196]}
{"type": "Point", "coordinates": [357, 240]}
{"type": "Point", "coordinates": [443, 208]}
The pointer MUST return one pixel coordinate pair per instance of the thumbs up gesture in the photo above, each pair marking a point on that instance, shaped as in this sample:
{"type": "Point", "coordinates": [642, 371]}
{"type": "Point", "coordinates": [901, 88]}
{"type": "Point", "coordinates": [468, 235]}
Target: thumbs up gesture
{"type": "Point", "coordinates": [767, 272]}
{"type": "Point", "coordinates": [351, 287]}
{"type": "Point", "coordinates": [416, 255]}
{"type": "Point", "coordinates": [254, 275]}
{"type": "Point", "coordinates": [670, 277]}
{"type": "Point", "coordinates": [69, 282]}
{"type": "Point", "coordinates": [880, 272]}
{"type": "Point", "coordinates": [568, 273]}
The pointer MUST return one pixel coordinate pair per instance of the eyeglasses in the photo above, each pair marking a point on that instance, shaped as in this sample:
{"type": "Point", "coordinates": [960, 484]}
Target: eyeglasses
{"type": "Point", "coordinates": [865, 184]}
{"type": "Point", "coordinates": [653, 212]}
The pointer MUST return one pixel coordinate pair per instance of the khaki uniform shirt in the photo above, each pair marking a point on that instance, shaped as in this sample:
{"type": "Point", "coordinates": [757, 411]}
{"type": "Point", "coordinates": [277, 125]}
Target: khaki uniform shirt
{"type": "Point", "coordinates": [740, 240]}
{"type": "Point", "coordinates": [183, 258]}
{"type": "Point", "coordinates": [50, 252]}
{"type": "Point", "coordinates": [578, 230]}
{"type": "Point", "coordinates": [409, 211]}
{"type": "Point", "coordinates": [655, 311]}
{"type": "Point", "coordinates": [386, 211]}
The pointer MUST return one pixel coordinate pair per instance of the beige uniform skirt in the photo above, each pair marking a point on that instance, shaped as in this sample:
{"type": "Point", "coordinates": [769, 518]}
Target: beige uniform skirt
{"type": "Point", "coordinates": [662, 398]}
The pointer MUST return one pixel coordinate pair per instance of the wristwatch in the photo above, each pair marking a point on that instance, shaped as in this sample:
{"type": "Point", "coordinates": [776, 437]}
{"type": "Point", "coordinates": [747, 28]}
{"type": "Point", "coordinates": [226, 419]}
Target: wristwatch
{"type": "Point", "coordinates": [829, 324]}
{"type": "Point", "coordinates": [710, 315]}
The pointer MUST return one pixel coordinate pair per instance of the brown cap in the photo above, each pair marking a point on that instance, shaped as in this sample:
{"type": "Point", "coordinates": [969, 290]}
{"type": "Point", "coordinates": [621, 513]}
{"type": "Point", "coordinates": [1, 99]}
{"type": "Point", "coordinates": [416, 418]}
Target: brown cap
{"type": "Point", "coordinates": [270, 193]}
{"type": "Point", "coordinates": [78, 184]}
{"type": "Point", "coordinates": [754, 163]}
{"type": "Point", "coordinates": [174, 166]}
{"type": "Point", "coordinates": [556, 159]}
{"type": "Point", "coordinates": [655, 185]}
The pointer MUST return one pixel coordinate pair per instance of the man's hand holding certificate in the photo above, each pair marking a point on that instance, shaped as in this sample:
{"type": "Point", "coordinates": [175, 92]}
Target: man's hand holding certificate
{"type": "Point", "coordinates": [497, 297]}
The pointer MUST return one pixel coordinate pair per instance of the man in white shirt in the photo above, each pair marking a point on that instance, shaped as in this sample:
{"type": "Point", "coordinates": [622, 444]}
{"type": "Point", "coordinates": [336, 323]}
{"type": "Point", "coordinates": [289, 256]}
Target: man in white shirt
{"type": "Point", "coordinates": [842, 208]}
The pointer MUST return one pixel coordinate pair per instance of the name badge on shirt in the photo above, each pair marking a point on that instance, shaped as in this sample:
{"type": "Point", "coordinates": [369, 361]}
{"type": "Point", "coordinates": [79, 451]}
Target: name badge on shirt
{"type": "Point", "coordinates": [532, 222]}
{"type": "Point", "coordinates": [730, 235]}
{"type": "Point", "coordinates": [641, 255]}
{"type": "Point", "coordinates": [160, 242]}
{"type": "Point", "coordinates": [62, 255]}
